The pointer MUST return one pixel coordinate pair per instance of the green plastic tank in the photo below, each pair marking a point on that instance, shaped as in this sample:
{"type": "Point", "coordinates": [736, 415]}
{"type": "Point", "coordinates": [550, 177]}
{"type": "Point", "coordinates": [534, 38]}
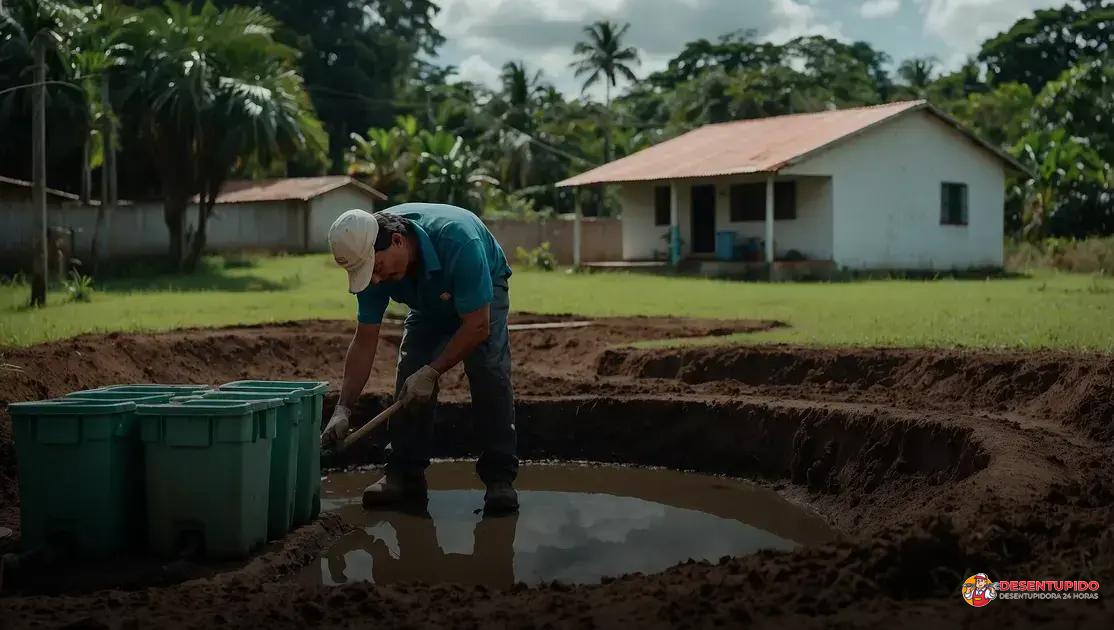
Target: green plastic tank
{"type": "Point", "coordinates": [80, 475]}
{"type": "Point", "coordinates": [284, 454]}
{"type": "Point", "coordinates": [307, 499]}
{"type": "Point", "coordinates": [207, 468]}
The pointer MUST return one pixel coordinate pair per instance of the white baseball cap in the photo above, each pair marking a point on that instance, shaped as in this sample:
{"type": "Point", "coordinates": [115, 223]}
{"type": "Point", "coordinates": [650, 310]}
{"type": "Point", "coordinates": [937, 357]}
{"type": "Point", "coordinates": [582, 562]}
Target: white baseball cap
{"type": "Point", "coordinates": [352, 240]}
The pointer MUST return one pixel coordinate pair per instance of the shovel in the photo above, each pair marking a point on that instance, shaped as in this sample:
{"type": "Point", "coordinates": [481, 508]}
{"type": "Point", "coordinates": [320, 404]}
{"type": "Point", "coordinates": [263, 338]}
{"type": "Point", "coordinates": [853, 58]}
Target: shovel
{"type": "Point", "coordinates": [328, 457]}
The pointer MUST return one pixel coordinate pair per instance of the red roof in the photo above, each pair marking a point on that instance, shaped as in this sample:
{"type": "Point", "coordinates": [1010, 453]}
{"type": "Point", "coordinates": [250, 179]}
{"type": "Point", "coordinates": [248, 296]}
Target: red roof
{"type": "Point", "coordinates": [288, 188]}
{"type": "Point", "coordinates": [760, 145]}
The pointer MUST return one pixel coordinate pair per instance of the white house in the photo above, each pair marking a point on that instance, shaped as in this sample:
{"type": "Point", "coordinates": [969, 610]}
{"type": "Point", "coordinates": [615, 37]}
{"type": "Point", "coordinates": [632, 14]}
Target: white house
{"type": "Point", "coordinates": [285, 214]}
{"type": "Point", "coordinates": [291, 211]}
{"type": "Point", "coordinates": [896, 186]}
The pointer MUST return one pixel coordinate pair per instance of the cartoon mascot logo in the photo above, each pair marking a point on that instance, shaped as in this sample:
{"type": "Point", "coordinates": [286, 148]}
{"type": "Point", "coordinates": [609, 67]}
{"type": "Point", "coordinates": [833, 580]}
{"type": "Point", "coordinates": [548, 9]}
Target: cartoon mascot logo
{"type": "Point", "coordinates": [978, 590]}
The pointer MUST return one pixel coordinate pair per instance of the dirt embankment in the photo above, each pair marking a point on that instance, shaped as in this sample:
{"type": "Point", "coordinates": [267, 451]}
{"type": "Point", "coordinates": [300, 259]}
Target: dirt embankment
{"type": "Point", "coordinates": [1074, 389]}
{"type": "Point", "coordinates": [934, 465]}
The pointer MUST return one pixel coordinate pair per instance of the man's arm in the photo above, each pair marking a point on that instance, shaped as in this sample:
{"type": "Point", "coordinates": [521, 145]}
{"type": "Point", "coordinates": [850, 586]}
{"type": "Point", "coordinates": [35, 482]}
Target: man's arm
{"type": "Point", "coordinates": [475, 327]}
{"type": "Point", "coordinates": [357, 367]}
{"type": "Point", "coordinates": [358, 362]}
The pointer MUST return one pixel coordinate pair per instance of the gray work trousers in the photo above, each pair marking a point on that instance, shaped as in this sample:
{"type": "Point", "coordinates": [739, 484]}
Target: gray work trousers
{"type": "Point", "coordinates": [489, 377]}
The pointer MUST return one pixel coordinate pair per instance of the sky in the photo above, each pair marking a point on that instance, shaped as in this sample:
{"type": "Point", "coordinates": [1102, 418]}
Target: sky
{"type": "Point", "coordinates": [482, 35]}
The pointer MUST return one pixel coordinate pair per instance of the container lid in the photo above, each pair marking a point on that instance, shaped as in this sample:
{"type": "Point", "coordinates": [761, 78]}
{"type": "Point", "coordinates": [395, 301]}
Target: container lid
{"type": "Point", "coordinates": [206, 407]}
{"type": "Point", "coordinates": [313, 387]}
{"type": "Point", "coordinates": [149, 397]}
{"type": "Point", "coordinates": [70, 407]}
{"type": "Point", "coordinates": [176, 388]}
{"type": "Point", "coordinates": [281, 395]}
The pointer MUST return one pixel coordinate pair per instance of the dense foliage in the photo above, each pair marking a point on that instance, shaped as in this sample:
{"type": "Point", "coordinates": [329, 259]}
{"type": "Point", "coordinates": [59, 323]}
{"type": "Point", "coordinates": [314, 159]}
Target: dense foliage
{"type": "Point", "coordinates": [204, 91]}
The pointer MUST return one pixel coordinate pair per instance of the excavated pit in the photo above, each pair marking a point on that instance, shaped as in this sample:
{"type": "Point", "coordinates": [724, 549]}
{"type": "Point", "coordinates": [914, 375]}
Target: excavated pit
{"type": "Point", "coordinates": [577, 523]}
{"type": "Point", "coordinates": [827, 450]}
{"type": "Point", "coordinates": [925, 466]}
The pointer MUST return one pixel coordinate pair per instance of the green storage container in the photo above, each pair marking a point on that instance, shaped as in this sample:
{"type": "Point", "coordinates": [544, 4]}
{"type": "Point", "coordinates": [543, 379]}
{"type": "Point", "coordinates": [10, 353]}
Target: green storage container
{"type": "Point", "coordinates": [284, 454]}
{"type": "Point", "coordinates": [208, 470]}
{"type": "Point", "coordinates": [307, 495]}
{"type": "Point", "coordinates": [80, 475]}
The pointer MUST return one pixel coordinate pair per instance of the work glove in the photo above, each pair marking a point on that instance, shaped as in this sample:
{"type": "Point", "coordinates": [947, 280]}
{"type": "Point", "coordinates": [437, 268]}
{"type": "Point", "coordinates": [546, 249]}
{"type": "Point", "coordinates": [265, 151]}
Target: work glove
{"type": "Point", "coordinates": [419, 387]}
{"type": "Point", "coordinates": [337, 427]}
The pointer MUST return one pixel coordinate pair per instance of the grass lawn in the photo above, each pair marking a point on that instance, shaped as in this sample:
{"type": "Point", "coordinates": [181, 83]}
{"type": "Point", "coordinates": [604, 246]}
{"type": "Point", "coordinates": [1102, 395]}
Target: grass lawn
{"type": "Point", "coordinates": [1045, 310]}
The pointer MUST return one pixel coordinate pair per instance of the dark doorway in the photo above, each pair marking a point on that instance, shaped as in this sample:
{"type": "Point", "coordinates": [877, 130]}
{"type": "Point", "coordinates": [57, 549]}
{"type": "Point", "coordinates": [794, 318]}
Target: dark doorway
{"type": "Point", "coordinates": [703, 219]}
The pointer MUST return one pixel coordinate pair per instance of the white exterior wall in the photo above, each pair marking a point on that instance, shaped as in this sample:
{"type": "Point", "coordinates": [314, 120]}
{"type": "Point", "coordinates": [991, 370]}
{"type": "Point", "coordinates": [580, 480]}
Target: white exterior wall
{"type": "Point", "coordinates": [810, 233]}
{"type": "Point", "coordinates": [325, 209]}
{"type": "Point", "coordinates": [641, 238]}
{"type": "Point", "coordinates": [139, 229]}
{"type": "Point", "coordinates": [255, 225]}
{"type": "Point", "coordinates": [886, 188]}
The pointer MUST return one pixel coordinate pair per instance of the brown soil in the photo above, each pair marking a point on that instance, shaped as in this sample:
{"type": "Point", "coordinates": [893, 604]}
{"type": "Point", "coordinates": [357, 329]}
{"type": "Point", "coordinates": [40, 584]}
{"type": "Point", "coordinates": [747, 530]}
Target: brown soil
{"type": "Point", "coordinates": [934, 465]}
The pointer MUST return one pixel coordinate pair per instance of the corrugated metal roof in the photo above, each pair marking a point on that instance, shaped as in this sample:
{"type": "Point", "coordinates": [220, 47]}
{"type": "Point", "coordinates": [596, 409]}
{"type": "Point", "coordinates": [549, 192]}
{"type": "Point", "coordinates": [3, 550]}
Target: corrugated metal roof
{"type": "Point", "coordinates": [19, 183]}
{"type": "Point", "coordinates": [760, 145]}
{"type": "Point", "coordinates": [288, 188]}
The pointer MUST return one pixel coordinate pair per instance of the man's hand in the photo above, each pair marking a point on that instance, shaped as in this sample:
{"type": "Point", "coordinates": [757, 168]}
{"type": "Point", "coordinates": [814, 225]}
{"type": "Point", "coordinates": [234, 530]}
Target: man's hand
{"type": "Point", "coordinates": [419, 387]}
{"type": "Point", "coordinates": [337, 427]}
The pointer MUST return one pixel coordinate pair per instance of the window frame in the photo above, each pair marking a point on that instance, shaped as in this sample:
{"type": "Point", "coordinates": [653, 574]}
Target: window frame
{"type": "Point", "coordinates": [738, 213]}
{"type": "Point", "coordinates": [948, 215]}
{"type": "Point", "coordinates": [667, 210]}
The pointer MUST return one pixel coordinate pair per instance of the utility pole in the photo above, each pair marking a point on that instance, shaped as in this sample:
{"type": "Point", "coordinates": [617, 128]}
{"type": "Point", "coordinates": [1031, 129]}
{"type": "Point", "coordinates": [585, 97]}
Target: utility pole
{"type": "Point", "coordinates": [38, 175]}
{"type": "Point", "coordinates": [103, 229]}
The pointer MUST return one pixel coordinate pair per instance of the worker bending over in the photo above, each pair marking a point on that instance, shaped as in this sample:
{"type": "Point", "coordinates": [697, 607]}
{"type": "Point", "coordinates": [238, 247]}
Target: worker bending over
{"type": "Point", "coordinates": [444, 264]}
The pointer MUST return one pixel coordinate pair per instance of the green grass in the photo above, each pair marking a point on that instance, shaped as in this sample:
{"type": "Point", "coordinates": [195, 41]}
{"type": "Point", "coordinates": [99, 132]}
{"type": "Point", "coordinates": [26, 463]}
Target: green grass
{"type": "Point", "coordinates": [1046, 310]}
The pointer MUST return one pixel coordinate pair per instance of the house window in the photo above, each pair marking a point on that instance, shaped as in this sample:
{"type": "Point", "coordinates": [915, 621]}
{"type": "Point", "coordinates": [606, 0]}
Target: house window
{"type": "Point", "coordinates": [662, 199]}
{"type": "Point", "coordinates": [748, 201]}
{"type": "Point", "coordinates": [953, 204]}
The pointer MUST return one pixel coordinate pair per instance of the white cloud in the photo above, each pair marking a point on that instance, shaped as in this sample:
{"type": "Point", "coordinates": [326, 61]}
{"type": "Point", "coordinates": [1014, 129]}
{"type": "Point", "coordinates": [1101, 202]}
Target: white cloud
{"type": "Point", "coordinates": [872, 9]}
{"type": "Point", "coordinates": [962, 25]}
{"type": "Point", "coordinates": [478, 70]}
{"type": "Point", "coordinates": [482, 35]}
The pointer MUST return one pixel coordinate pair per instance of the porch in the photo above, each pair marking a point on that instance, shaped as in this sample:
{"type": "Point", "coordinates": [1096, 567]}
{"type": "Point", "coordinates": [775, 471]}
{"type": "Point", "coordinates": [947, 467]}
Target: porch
{"type": "Point", "coordinates": [732, 225]}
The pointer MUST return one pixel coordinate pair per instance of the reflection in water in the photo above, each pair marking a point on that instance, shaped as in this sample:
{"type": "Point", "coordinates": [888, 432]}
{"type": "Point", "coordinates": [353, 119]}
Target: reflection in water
{"type": "Point", "coordinates": [557, 535]}
{"type": "Point", "coordinates": [404, 547]}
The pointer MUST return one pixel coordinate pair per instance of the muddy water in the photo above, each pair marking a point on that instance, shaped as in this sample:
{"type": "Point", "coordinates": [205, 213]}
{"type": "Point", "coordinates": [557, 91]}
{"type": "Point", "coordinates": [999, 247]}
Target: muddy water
{"type": "Point", "coordinates": [576, 523]}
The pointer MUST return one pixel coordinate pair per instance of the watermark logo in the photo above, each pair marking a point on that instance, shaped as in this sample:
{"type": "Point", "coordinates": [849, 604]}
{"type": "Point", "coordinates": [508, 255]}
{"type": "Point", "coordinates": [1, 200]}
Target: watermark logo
{"type": "Point", "coordinates": [979, 590]}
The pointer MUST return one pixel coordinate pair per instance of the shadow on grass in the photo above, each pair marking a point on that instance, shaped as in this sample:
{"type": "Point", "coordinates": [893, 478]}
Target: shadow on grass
{"type": "Point", "coordinates": [212, 274]}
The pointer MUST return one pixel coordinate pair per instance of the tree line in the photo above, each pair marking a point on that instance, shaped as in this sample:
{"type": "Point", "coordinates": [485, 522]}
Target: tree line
{"type": "Point", "coordinates": [200, 92]}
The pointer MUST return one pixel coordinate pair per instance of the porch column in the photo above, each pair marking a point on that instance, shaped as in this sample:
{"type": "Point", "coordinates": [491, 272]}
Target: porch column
{"type": "Point", "coordinates": [674, 224]}
{"type": "Point", "coordinates": [576, 229]}
{"type": "Point", "coordinates": [770, 219]}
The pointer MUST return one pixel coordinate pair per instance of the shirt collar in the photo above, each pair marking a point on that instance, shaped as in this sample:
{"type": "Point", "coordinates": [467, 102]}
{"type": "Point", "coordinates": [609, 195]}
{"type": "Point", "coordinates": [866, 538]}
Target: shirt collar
{"type": "Point", "coordinates": [430, 261]}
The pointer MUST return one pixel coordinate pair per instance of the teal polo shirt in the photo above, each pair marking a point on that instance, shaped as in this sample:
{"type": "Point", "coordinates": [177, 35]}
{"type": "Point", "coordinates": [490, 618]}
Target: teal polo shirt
{"type": "Point", "coordinates": [461, 261]}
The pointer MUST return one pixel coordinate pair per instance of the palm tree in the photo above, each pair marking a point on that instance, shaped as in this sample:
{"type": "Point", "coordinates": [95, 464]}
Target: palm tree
{"type": "Point", "coordinates": [457, 175]}
{"type": "Point", "coordinates": [386, 157]}
{"type": "Point", "coordinates": [97, 52]}
{"type": "Point", "coordinates": [210, 90]}
{"type": "Point", "coordinates": [603, 57]}
{"type": "Point", "coordinates": [518, 106]}
{"type": "Point", "coordinates": [917, 73]}
{"type": "Point", "coordinates": [520, 90]}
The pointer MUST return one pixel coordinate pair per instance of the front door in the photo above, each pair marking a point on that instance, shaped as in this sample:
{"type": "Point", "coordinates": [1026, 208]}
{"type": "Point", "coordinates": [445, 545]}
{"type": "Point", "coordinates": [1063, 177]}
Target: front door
{"type": "Point", "coordinates": [703, 219]}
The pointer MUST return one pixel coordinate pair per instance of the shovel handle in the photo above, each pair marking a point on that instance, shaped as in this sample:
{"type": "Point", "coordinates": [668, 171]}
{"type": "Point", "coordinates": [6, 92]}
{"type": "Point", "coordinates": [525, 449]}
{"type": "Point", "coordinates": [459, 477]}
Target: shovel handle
{"type": "Point", "coordinates": [358, 434]}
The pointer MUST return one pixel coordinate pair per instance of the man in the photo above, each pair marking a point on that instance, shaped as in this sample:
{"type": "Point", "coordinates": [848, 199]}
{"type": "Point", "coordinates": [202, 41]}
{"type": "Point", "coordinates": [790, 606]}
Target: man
{"type": "Point", "coordinates": [446, 266]}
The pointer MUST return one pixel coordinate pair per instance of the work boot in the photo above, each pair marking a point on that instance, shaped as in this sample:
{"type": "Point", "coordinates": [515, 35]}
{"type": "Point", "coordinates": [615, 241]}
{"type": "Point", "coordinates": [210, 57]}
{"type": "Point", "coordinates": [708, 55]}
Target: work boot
{"type": "Point", "coordinates": [500, 498]}
{"type": "Point", "coordinates": [394, 489]}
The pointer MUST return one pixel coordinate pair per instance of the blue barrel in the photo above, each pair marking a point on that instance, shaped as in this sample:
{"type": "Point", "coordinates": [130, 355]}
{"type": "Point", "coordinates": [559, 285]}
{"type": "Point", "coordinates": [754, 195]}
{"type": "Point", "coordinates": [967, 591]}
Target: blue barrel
{"type": "Point", "coordinates": [725, 245]}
